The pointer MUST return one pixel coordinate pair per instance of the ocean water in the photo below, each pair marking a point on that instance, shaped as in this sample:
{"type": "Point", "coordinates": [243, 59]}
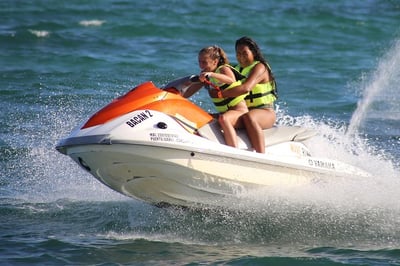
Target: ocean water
{"type": "Point", "coordinates": [337, 65]}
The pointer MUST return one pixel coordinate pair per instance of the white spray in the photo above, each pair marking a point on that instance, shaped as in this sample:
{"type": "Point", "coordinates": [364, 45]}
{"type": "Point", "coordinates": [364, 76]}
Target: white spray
{"type": "Point", "coordinates": [383, 86]}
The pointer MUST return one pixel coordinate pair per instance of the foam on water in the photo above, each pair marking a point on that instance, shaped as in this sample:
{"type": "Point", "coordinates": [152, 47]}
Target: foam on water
{"type": "Point", "coordinates": [94, 22]}
{"type": "Point", "coordinates": [40, 33]}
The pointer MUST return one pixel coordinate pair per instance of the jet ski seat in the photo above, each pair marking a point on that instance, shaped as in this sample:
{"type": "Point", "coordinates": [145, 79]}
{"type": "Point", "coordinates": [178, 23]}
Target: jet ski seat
{"type": "Point", "coordinates": [274, 135]}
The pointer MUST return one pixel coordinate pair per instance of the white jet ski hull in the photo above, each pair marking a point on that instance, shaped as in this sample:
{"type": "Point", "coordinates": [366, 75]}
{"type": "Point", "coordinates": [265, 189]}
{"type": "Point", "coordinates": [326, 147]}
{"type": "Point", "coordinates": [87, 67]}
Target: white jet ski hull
{"type": "Point", "coordinates": [166, 159]}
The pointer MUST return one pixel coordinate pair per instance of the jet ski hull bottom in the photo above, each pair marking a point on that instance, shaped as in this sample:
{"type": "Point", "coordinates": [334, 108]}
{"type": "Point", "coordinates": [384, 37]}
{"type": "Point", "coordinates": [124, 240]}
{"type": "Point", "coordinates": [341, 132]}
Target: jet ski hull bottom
{"type": "Point", "coordinates": [180, 177]}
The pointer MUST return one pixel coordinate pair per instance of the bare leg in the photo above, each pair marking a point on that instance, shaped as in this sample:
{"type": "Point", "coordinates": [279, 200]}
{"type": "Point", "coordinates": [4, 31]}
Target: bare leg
{"type": "Point", "coordinates": [229, 121]}
{"type": "Point", "coordinates": [255, 121]}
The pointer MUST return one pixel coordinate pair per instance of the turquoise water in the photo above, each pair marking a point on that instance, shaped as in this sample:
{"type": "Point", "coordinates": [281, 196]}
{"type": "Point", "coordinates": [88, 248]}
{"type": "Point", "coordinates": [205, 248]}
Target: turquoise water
{"type": "Point", "coordinates": [337, 64]}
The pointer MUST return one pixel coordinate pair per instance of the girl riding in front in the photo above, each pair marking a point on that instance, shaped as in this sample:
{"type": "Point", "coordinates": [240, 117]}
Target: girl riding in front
{"type": "Point", "coordinates": [219, 75]}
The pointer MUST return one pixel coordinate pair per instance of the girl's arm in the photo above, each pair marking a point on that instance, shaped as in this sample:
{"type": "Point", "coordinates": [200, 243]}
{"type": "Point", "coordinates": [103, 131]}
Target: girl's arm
{"type": "Point", "coordinates": [226, 75]}
{"type": "Point", "coordinates": [258, 74]}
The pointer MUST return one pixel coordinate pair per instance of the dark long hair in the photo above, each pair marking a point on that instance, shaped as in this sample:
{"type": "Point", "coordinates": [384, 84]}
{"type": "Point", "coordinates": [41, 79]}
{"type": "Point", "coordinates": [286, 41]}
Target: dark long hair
{"type": "Point", "coordinates": [249, 42]}
{"type": "Point", "coordinates": [258, 56]}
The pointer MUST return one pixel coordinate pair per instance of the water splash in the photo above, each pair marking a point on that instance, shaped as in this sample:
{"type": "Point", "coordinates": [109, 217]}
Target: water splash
{"type": "Point", "coordinates": [382, 87]}
{"type": "Point", "coordinates": [353, 210]}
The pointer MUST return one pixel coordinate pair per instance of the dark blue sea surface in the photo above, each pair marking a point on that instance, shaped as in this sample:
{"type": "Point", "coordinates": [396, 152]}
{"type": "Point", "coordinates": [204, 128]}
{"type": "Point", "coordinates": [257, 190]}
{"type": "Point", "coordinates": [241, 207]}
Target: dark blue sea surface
{"type": "Point", "coordinates": [337, 64]}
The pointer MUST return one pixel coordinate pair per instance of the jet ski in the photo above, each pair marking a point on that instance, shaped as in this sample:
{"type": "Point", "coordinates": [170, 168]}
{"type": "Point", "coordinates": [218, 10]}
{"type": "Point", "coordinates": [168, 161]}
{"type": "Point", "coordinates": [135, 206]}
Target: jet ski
{"type": "Point", "coordinates": [155, 145]}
